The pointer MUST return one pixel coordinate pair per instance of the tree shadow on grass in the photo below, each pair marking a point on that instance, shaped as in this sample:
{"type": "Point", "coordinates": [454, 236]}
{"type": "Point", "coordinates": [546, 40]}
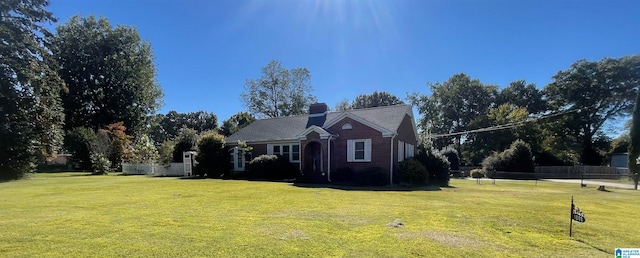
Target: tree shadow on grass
{"type": "Point", "coordinates": [346, 187]}
{"type": "Point", "coordinates": [85, 174]}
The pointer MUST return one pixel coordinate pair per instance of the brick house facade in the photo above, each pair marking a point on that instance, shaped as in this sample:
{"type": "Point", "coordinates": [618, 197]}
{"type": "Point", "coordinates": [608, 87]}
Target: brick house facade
{"type": "Point", "coordinates": [322, 142]}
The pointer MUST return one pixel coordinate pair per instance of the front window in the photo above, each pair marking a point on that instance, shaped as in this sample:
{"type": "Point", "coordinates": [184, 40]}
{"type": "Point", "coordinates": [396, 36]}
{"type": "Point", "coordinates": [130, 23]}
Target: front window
{"type": "Point", "coordinates": [359, 151]}
{"type": "Point", "coordinates": [290, 151]}
{"type": "Point", "coordinates": [295, 152]}
{"type": "Point", "coordinates": [285, 151]}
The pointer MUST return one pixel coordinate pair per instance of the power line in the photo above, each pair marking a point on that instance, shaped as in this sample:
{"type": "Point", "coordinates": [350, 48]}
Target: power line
{"type": "Point", "coordinates": [508, 125]}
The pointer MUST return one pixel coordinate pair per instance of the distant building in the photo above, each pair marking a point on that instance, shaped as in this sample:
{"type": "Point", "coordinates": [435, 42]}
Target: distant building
{"type": "Point", "coordinates": [619, 160]}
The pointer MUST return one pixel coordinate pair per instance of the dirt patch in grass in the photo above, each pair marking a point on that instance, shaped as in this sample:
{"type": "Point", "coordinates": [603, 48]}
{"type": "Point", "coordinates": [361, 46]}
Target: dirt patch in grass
{"type": "Point", "coordinates": [294, 235]}
{"type": "Point", "coordinates": [446, 238]}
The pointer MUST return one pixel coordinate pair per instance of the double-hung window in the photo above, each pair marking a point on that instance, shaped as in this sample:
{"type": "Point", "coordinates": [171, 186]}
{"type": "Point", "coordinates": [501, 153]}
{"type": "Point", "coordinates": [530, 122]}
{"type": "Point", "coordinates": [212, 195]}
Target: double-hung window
{"type": "Point", "coordinates": [359, 150]}
{"type": "Point", "coordinates": [291, 151]}
{"type": "Point", "coordinates": [405, 150]}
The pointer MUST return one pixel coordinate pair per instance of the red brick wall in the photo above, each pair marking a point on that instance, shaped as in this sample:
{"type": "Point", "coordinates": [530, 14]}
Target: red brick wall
{"type": "Point", "coordinates": [380, 146]}
{"type": "Point", "coordinates": [406, 134]}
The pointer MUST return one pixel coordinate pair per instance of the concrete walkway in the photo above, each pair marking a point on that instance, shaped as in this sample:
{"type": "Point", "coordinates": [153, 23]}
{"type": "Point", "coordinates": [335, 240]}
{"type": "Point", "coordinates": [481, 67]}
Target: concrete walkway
{"type": "Point", "coordinates": [591, 182]}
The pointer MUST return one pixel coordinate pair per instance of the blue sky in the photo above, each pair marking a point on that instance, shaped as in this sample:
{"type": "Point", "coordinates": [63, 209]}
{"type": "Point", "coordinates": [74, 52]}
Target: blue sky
{"type": "Point", "coordinates": [205, 50]}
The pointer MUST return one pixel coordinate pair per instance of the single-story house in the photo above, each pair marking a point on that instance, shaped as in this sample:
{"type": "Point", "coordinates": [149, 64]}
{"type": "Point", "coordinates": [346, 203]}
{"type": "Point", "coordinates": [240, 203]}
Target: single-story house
{"type": "Point", "coordinates": [323, 141]}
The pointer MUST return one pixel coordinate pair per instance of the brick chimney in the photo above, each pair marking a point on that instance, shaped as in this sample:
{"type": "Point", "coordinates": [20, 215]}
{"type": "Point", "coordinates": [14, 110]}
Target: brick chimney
{"type": "Point", "coordinates": [317, 114]}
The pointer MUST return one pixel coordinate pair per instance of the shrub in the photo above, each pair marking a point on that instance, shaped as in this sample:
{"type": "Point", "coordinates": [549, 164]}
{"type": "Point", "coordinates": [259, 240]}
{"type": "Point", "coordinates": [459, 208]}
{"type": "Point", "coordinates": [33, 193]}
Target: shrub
{"type": "Point", "coordinates": [343, 174]}
{"type": "Point", "coordinates": [144, 151]}
{"type": "Point", "coordinates": [372, 176]}
{"type": "Point", "coordinates": [413, 172]}
{"type": "Point", "coordinates": [546, 158]}
{"type": "Point", "coordinates": [517, 158]}
{"type": "Point", "coordinates": [187, 140]}
{"type": "Point", "coordinates": [452, 156]}
{"type": "Point", "coordinates": [436, 164]}
{"type": "Point", "coordinates": [477, 173]}
{"type": "Point", "coordinates": [78, 143]}
{"type": "Point", "coordinates": [100, 163]}
{"type": "Point", "coordinates": [271, 167]}
{"type": "Point", "coordinates": [120, 142]}
{"type": "Point", "coordinates": [212, 157]}
{"type": "Point", "coordinates": [165, 151]}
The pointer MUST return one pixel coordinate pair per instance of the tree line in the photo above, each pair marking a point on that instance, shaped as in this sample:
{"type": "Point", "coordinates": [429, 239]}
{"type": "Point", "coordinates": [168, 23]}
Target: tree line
{"type": "Point", "coordinates": [91, 84]}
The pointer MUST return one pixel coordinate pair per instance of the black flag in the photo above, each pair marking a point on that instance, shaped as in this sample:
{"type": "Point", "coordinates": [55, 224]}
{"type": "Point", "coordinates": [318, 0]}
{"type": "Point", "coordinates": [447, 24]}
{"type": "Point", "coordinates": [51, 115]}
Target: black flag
{"type": "Point", "coordinates": [577, 214]}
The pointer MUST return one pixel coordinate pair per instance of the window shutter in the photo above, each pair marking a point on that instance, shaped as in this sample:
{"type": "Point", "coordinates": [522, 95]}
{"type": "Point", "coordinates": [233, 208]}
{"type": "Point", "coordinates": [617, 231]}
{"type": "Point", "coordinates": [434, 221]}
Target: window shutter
{"type": "Point", "coordinates": [367, 149]}
{"type": "Point", "coordinates": [410, 150]}
{"type": "Point", "coordinates": [350, 150]}
{"type": "Point", "coordinates": [400, 151]}
{"type": "Point", "coordinates": [269, 149]}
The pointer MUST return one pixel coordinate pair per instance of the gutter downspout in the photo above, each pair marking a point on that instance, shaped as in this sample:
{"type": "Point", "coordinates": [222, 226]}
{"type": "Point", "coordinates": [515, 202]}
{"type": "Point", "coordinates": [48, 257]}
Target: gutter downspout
{"type": "Point", "coordinates": [329, 159]}
{"type": "Point", "coordinates": [391, 161]}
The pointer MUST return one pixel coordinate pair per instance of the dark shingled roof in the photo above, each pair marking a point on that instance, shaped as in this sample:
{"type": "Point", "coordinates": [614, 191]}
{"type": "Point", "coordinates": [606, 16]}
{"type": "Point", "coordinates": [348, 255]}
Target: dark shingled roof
{"type": "Point", "coordinates": [287, 128]}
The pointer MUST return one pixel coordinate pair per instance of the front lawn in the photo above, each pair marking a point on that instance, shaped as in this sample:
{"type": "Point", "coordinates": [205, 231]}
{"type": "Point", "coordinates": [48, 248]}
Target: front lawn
{"type": "Point", "coordinates": [73, 215]}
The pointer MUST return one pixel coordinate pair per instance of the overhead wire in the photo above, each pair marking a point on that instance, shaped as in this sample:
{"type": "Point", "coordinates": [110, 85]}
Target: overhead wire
{"type": "Point", "coordinates": [508, 125]}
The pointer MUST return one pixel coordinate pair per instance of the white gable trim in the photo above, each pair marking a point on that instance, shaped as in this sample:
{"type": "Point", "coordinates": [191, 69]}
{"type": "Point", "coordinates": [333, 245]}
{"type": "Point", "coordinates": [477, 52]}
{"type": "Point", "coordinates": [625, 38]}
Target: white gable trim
{"type": "Point", "coordinates": [385, 132]}
{"type": "Point", "coordinates": [314, 128]}
{"type": "Point", "coordinates": [413, 123]}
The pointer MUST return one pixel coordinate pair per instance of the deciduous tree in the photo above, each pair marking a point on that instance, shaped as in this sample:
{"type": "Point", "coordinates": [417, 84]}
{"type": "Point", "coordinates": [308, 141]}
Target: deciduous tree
{"type": "Point", "coordinates": [634, 146]}
{"type": "Point", "coordinates": [31, 114]}
{"type": "Point", "coordinates": [166, 127]}
{"type": "Point", "coordinates": [279, 92]}
{"type": "Point", "coordinates": [375, 99]}
{"type": "Point", "coordinates": [236, 122]}
{"type": "Point", "coordinates": [144, 151]}
{"type": "Point", "coordinates": [452, 106]}
{"type": "Point", "coordinates": [597, 92]}
{"type": "Point", "coordinates": [109, 72]}
{"type": "Point", "coordinates": [343, 105]}
{"type": "Point", "coordinates": [187, 140]}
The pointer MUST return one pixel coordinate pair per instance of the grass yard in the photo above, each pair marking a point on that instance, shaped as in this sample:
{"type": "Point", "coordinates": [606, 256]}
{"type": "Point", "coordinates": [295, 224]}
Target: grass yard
{"type": "Point", "coordinates": [73, 215]}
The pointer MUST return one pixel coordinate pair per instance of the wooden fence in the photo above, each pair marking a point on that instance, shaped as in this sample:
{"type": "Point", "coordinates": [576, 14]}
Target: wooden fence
{"type": "Point", "coordinates": [558, 172]}
{"type": "Point", "coordinates": [578, 172]}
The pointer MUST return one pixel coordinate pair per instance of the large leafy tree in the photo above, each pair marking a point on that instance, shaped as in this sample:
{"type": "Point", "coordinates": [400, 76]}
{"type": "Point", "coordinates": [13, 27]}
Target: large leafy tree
{"type": "Point", "coordinates": [478, 146]}
{"type": "Point", "coordinates": [375, 99]}
{"type": "Point", "coordinates": [166, 127]}
{"type": "Point", "coordinates": [30, 110]}
{"type": "Point", "coordinates": [236, 122]}
{"type": "Point", "coordinates": [634, 142]}
{"type": "Point", "coordinates": [279, 92]}
{"type": "Point", "coordinates": [596, 92]}
{"type": "Point", "coordinates": [521, 94]}
{"type": "Point", "coordinates": [453, 105]}
{"type": "Point", "coordinates": [109, 72]}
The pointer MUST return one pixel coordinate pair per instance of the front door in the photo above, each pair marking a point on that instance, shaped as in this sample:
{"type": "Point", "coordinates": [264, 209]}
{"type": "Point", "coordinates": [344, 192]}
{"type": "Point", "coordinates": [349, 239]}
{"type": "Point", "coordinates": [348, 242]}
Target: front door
{"type": "Point", "coordinates": [313, 158]}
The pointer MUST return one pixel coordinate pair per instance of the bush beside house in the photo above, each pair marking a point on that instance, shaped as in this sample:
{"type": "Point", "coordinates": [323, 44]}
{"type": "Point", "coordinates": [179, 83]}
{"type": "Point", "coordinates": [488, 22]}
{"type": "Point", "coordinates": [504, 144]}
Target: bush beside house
{"type": "Point", "coordinates": [371, 176]}
{"type": "Point", "coordinates": [436, 164]}
{"type": "Point", "coordinates": [452, 156]}
{"type": "Point", "coordinates": [412, 172]}
{"type": "Point", "coordinates": [212, 157]}
{"type": "Point", "coordinates": [516, 159]}
{"type": "Point", "coordinates": [271, 167]}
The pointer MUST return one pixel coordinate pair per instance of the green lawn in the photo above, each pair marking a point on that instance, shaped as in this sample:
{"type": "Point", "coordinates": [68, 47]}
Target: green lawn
{"type": "Point", "coordinates": [73, 215]}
